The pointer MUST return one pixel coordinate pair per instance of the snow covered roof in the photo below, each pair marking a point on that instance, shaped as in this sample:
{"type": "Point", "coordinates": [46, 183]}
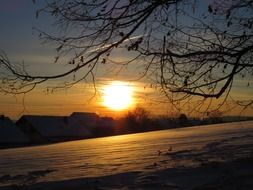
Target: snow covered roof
{"type": "Point", "coordinates": [10, 133]}
{"type": "Point", "coordinates": [53, 126]}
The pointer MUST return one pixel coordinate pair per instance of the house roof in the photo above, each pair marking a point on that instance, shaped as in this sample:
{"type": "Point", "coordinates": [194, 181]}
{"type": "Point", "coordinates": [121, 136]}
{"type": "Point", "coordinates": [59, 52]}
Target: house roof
{"type": "Point", "coordinates": [47, 125]}
{"type": "Point", "coordinates": [53, 126]}
{"type": "Point", "coordinates": [10, 133]}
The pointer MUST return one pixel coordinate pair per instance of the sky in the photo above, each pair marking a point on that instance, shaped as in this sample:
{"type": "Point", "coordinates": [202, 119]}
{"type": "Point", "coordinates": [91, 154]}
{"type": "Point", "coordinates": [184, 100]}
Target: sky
{"type": "Point", "coordinates": [21, 43]}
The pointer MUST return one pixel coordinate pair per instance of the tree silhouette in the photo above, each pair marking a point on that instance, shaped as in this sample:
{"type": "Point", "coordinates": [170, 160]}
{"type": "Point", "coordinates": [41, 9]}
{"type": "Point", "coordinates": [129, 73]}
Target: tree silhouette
{"type": "Point", "coordinates": [183, 120]}
{"type": "Point", "coordinates": [138, 119]}
{"type": "Point", "coordinates": [187, 47]}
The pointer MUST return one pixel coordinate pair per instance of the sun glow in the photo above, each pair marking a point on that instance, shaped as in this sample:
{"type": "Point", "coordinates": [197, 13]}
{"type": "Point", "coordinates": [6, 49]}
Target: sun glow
{"type": "Point", "coordinates": [118, 95]}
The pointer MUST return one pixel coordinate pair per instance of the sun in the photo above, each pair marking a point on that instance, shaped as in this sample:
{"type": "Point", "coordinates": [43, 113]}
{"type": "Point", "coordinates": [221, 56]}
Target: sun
{"type": "Point", "coordinates": [118, 95]}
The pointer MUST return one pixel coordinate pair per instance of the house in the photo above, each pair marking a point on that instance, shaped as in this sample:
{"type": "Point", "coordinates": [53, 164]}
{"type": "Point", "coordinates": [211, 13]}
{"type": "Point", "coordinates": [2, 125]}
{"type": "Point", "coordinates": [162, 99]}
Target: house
{"type": "Point", "coordinates": [76, 129]}
{"type": "Point", "coordinates": [10, 134]}
{"type": "Point", "coordinates": [87, 119]}
{"type": "Point", "coordinates": [106, 122]}
{"type": "Point", "coordinates": [105, 127]}
{"type": "Point", "coordinates": [44, 129]}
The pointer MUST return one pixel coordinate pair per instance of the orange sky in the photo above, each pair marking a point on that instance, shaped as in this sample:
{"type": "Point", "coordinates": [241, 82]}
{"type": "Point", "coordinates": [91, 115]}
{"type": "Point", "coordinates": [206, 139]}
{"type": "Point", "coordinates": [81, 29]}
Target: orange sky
{"type": "Point", "coordinates": [81, 99]}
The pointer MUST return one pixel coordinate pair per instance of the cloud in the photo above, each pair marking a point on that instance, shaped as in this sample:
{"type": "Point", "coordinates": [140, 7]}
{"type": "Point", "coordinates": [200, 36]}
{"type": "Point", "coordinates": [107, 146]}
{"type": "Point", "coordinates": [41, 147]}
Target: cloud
{"type": "Point", "coordinates": [106, 46]}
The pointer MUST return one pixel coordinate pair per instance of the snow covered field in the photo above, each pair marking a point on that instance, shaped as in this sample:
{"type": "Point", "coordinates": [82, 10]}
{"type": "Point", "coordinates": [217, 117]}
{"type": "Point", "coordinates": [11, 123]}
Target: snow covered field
{"type": "Point", "coordinates": [203, 157]}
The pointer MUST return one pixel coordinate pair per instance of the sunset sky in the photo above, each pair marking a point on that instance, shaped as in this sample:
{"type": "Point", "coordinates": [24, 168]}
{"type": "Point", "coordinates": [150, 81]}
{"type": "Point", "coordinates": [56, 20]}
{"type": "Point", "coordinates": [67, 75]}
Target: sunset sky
{"type": "Point", "coordinates": [21, 43]}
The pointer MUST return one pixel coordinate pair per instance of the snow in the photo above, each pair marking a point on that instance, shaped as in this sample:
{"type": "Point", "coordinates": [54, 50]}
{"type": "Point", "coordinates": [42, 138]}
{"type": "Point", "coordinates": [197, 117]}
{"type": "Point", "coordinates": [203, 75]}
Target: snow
{"type": "Point", "coordinates": [201, 157]}
{"type": "Point", "coordinates": [10, 133]}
